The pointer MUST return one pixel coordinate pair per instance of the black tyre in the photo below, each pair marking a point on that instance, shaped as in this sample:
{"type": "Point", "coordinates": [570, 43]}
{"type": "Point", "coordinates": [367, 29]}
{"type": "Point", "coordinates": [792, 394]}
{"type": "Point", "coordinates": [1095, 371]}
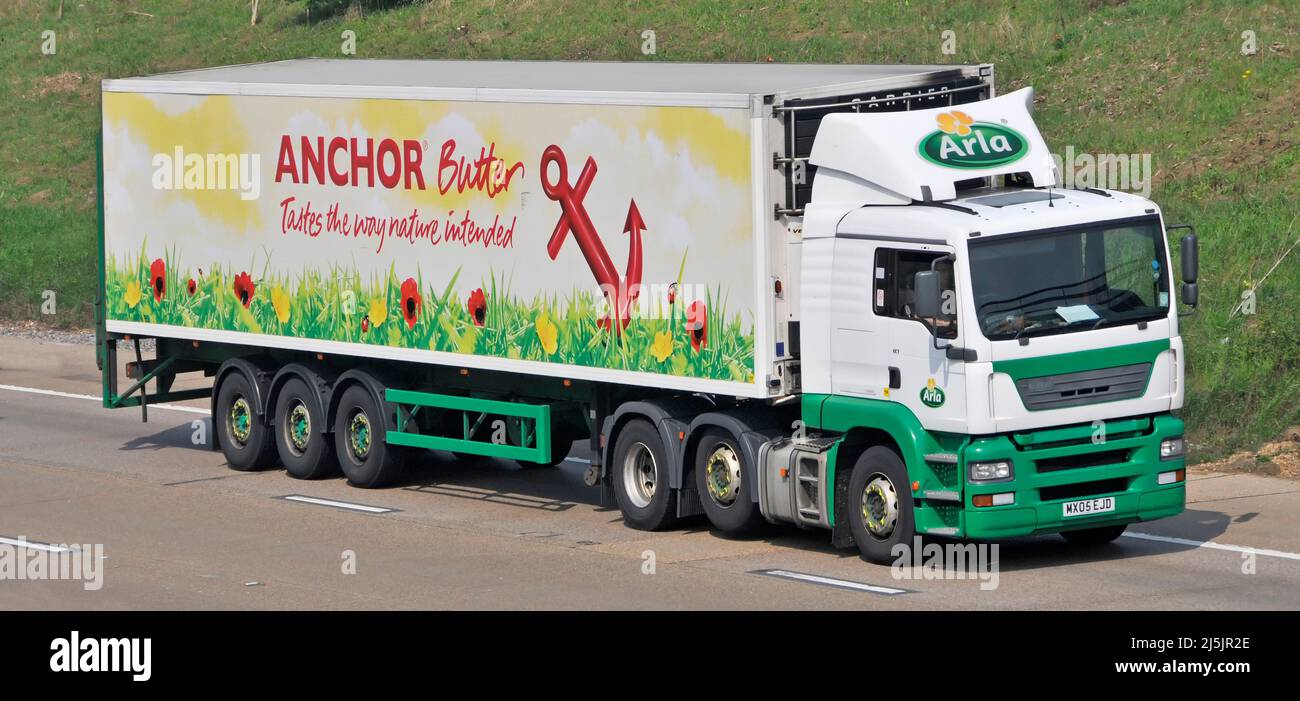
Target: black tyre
{"type": "Point", "coordinates": [640, 472]}
{"type": "Point", "coordinates": [367, 461]}
{"type": "Point", "coordinates": [880, 505]}
{"type": "Point", "coordinates": [719, 479]}
{"type": "Point", "coordinates": [305, 450]}
{"type": "Point", "coordinates": [246, 442]}
{"type": "Point", "coordinates": [1093, 536]}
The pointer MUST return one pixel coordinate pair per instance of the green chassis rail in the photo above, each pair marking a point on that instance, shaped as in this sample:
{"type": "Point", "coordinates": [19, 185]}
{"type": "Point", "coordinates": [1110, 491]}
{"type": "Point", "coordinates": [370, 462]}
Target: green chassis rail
{"type": "Point", "coordinates": [535, 425]}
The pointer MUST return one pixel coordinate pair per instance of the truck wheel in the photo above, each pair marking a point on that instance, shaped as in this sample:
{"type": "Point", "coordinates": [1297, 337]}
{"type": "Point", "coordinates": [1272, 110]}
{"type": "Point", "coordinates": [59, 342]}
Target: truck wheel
{"type": "Point", "coordinates": [305, 451]}
{"type": "Point", "coordinates": [247, 443]}
{"type": "Point", "coordinates": [1093, 536]}
{"type": "Point", "coordinates": [880, 504]}
{"type": "Point", "coordinates": [640, 474]}
{"type": "Point", "coordinates": [367, 460]}
{"type": "Point", "coordinates": [719, 471]}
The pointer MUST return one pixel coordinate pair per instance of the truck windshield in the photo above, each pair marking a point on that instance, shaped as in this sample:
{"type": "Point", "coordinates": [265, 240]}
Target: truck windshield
{"type": "Point", "coordinates": [1072, 279]}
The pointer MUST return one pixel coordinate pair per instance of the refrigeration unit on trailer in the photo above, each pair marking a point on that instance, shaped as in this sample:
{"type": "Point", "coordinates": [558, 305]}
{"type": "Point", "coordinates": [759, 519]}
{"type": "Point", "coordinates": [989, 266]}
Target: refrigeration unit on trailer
{"type": "Point", "coordinates": [844, 297]}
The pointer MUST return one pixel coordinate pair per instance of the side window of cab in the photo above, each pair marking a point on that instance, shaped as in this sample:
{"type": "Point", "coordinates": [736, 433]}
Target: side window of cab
{"type": "Point", "coordinates": [893, 293]}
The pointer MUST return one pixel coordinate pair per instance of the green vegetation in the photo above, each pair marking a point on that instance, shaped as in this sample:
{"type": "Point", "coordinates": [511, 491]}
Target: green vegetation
{"type": "Point", "coordinates": [1160, 77]}
{"type": "Point", "coordinates": [701, 341]}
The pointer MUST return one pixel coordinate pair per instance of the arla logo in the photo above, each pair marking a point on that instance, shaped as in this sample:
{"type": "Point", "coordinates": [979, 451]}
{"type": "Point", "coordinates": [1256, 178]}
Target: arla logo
{"type": "Point", "coordinates": [962, 142]}
{"type": "Point", "coordinates": [931, 395]}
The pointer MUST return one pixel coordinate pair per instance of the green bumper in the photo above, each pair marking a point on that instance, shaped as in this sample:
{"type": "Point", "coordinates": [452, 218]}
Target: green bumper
{"type": "Point", "coordinates": [1054, 467]}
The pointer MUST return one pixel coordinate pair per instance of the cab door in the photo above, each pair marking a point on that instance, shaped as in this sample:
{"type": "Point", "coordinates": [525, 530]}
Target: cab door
{"type": "Point", "coordinates": [924, 379]}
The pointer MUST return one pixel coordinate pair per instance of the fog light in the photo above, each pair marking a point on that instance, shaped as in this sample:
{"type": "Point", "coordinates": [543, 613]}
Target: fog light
{"type": "Point", "coordinates": [1002, 499]}
{"type": "Point", "coordinates": [1000, 471]}
{"type": "Point", "coordinates": [1171, 477]}
{"type": "Point", "coordinates": [1171, 448]}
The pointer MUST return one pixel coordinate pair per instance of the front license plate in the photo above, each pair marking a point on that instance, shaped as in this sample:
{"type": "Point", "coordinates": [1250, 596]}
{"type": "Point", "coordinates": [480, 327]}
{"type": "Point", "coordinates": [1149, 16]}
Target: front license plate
{"type": "Point", "coordinates": [1087, 507]}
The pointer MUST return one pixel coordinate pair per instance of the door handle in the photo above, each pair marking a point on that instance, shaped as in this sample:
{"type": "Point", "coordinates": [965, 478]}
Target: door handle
{"type": "Point", "coordinates": [895, 378]}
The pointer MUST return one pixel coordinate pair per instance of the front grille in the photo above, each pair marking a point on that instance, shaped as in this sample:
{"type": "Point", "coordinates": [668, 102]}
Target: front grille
{"type": "Point", "coordinates": [1072, 462]}
{"type": "Point", "coordinates": [1083, 489]}
{"type": "Point", "coordinates": [1086, 387]}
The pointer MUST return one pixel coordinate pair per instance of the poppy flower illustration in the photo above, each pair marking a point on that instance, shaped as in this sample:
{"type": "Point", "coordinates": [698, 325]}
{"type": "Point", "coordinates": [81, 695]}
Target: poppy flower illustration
{"type": "Point", "coordinates": [158, 279]}
{"type": "Point", "coordinates": [191, 287]}
{"type": "Point", "coordinates": [280, 303]}
{"type": "Point", "coordinates": [954, 122]}
{"type": "Point", "coordinates": [672, 293]}
{"type": "Point", "coordinates": [378, 312]}
{"type": "Point", "coordinates": [662, 347]}
{"type": "Point", "coordinates": [365, 323]}
{"type": "Point", "coordinates": [244, 289]}
{"type": "Point", "coordinates": [547, 334]}
{"type": "Point", "coordinates": [411, 302]}
{"type": "Point", "coordinates": [697, 323]}
{"type": "Point", "coordinates": [132, 294]}
{"type": "Point", "coordinates": [477, 306]}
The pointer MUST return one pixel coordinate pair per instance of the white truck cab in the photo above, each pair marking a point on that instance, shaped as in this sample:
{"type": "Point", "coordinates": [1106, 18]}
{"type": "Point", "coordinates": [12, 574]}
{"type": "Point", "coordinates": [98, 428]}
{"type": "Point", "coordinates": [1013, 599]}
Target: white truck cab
{"type": "Point", "coordinates": [1023, 338]}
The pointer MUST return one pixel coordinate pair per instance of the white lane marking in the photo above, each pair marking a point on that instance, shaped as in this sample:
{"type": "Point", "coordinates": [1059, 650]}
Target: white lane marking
{"type": "Point", "coordinates": [831, 582]}
{"type": "Point", "coordinates": [1211, 545]}
{"type": "Point", "coordinates": [584, 461]}
{"type": "Point", "coordinates": [70, 395]}
{"type": "Point", "coordinates": [338, 504]}
{"type": "Point", "coordinates": [31, 545]}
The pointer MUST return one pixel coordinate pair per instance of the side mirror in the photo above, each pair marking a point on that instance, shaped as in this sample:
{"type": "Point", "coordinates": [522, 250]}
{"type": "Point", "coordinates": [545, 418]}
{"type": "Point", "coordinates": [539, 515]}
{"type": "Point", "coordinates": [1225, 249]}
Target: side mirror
{"type": "Point", "coordinates": [928, 293]}
{"type": "Point", "coordinates": [1190, 294]}
{"type": "Point", "coordinates": [1190, 259]}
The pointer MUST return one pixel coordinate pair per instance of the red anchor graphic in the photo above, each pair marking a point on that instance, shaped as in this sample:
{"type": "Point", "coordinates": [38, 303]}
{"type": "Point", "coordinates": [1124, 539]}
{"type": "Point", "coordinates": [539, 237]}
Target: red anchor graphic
{"type": "Point", "coordinates": [574, 218]}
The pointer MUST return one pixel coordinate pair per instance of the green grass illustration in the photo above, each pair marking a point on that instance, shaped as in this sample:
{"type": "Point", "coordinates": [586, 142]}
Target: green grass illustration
{"type": "Point", "coordinates": [341, 305]}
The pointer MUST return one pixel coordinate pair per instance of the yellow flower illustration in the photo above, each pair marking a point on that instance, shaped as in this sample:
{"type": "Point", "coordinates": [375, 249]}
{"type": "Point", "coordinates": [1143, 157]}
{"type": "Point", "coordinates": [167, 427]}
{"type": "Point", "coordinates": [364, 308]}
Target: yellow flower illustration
{"type": "Point", "coordinates": [378, 312]}
{"type": "Point", "coordinates": [132, 294]}
{"type": "Point", "coordinates": [955, 122]}
{"type": "Point", "coordinates": [280, 302]}
{"type": "Point", "coordinates": [662, 347]}
{"type": "Point", "coordinates": [547, 334]}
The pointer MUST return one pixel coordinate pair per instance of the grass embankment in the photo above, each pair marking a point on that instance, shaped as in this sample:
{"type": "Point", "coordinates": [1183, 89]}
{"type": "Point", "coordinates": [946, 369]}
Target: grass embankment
{"type": "Point", "coordinates": [1159, 77]}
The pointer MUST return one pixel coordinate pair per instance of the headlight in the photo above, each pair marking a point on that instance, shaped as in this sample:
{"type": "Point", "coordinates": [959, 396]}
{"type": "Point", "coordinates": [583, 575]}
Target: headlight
{"type": "Point", "coordinates": [1171, 448]}
{"type": "Point", "coordinates": [1000, 471]}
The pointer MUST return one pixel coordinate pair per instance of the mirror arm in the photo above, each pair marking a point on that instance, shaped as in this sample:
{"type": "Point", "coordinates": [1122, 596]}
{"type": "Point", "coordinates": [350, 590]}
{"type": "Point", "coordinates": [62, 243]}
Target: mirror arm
{"type": "Point", "coordinates": [934, 333]}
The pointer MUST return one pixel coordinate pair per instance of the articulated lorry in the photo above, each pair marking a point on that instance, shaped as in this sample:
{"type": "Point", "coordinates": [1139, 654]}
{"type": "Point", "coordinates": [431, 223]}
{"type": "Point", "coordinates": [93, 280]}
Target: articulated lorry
{"type": "Point", "coordinates": [844, 297]}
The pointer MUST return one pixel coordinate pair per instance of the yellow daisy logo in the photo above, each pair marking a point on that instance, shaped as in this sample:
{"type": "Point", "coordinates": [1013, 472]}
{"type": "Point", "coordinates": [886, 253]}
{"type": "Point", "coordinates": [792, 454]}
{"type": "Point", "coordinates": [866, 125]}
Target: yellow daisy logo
{"type": "Point", "coordinates": [955, 122]}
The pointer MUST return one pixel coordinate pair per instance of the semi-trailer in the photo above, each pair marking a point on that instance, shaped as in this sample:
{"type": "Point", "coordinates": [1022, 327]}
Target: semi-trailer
{"type": "Point", "coordinates": [853, 298]}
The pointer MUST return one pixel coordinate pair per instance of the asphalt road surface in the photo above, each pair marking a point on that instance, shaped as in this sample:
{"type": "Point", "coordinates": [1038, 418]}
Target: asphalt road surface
{"type": "Point", "coordinates": [179, 530]}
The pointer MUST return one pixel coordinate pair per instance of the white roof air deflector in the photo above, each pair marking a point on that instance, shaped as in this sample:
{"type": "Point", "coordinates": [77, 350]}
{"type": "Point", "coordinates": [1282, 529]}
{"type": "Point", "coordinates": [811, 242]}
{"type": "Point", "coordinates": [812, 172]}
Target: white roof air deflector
{"type": "Point", "coordinates": [922, 154]}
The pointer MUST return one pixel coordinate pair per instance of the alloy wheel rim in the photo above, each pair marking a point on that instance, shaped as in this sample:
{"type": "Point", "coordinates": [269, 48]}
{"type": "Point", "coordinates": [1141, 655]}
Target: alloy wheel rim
{"type": "Point", "coordinates": [722, 475]}
{"type": "Point", "coordinates": [880, 506]}
{"type": "Point", "coordinates": [359, 435]}
{"type": "Point", "coordinates": [240, 421]}
{"type": "Point", "coordinates": [640, 475]}
{"type": "Point", "coordinates": [297, 428]}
